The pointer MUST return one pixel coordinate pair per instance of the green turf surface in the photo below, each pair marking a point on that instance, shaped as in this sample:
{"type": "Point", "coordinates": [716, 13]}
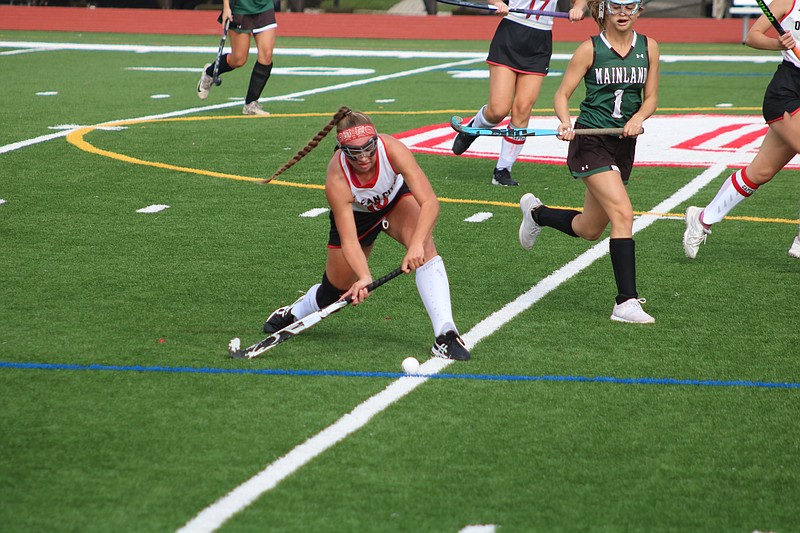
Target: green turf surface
{"type": "Point", "coordinates": [86, 280]}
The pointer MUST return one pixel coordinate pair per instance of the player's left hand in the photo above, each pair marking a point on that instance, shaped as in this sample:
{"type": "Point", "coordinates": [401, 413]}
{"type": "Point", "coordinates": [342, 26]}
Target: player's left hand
{"type": "Point", "coordinates": [414, 258]}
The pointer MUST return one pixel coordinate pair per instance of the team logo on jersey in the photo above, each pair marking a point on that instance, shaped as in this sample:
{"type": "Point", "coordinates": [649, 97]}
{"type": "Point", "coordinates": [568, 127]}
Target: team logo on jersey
{"type": "Point", "coordinates": [377, 202]}
{"type": "Point", "coordinates": [608, 75]}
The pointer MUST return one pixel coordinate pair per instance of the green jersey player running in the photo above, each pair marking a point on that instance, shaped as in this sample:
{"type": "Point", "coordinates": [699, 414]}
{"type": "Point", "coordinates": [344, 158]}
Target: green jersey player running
{"type": "Point", "coordinates": [619, 68]}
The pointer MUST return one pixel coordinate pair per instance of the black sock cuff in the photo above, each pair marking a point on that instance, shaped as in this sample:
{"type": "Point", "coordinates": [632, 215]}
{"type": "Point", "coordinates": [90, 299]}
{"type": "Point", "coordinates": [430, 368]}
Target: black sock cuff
{"type": "Point", "coordinates": [327, 293]}
{"type": "Point", "coordinates": [560, 219]}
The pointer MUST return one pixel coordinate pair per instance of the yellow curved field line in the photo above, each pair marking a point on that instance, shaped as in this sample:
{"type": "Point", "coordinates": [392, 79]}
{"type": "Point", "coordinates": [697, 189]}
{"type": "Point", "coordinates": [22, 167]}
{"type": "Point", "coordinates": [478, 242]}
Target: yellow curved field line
{"type": "Point", "coordinates": [77, 139]}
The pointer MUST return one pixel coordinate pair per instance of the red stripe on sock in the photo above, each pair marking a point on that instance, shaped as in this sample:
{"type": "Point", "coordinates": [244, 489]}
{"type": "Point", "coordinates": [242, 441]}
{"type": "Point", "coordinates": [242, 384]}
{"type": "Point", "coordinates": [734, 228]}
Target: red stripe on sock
{"type": "Point", "coordinates": [747, 181]}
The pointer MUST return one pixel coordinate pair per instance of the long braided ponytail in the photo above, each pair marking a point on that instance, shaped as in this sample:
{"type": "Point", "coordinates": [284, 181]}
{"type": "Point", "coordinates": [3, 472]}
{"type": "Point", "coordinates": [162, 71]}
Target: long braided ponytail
{"type": "Point", "coordinates": [339, 115]}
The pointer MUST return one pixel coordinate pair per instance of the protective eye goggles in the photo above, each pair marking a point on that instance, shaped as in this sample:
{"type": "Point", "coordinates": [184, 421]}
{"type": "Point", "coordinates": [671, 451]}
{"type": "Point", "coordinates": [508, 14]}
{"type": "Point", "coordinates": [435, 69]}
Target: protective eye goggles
{"type": "Point", "coordinates": [630, 8]}
{"type": "Point", "coordinates": [367, 149]}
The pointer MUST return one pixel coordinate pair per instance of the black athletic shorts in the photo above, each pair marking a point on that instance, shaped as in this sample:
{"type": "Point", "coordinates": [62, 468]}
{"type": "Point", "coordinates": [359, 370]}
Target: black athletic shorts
{"type": "Point", "coordinates": [368, 225]}
{"type": "Point", "coordinates": [248, 23]}
{"type": "Point", "coordinates": [592, 154]}
{"type": "Point", "coordinates": [783, 93]}
{"type": "Point", "coordinates": [521, 48]}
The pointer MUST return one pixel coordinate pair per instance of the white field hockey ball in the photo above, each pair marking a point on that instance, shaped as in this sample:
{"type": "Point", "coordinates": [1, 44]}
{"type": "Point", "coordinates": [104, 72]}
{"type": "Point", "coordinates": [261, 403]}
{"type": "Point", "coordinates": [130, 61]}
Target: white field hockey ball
{"type": "Point", "coordinates": [410, 365]}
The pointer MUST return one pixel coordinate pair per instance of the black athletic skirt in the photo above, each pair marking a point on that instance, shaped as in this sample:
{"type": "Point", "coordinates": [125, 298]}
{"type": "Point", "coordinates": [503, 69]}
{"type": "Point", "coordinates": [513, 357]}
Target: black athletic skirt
{"type": "Point", "coordinates": [368, 225]}
{"type": "Point", "coordinates": [521, 48]}
{"type": "Point", "coordinates": [592, 154]}
{"type": "Point", "coordinates": [783, 93]}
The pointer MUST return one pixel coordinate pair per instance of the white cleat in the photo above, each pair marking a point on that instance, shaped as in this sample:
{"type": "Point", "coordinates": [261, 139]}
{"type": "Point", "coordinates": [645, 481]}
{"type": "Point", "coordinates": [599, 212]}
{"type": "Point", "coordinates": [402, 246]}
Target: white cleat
{"type": "Point", "coordinates": [254, 108]}
{"type": "Point", "coordinates": [631, 311]}
{"type": "Point", "coordinates": [204, 85]}
{"type": "Point", "coordinates": [528, 229]}
{"type": "Point", "coordinates": [695, 233]}
{"type": "Point", "coordinates": [794, 251]}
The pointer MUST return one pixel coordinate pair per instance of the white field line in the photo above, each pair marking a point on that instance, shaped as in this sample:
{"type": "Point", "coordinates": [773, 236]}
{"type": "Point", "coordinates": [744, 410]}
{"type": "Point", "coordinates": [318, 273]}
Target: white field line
{"type": "Point", "coordinates": [215, 515]}
{"type": "Point", "coordinates": [314, 52]}
{"type": "Point", "coordinates": [29, 142]}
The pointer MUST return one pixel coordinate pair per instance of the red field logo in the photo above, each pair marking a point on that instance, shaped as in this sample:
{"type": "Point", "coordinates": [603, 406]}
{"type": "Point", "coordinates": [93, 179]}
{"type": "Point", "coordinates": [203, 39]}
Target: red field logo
{"type": "Point", "coordinates": [671, 140]}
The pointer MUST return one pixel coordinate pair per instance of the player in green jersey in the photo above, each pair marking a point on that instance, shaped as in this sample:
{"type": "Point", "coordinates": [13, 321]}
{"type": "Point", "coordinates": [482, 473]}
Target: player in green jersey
{"type": "Point", "coordinates": [246, 17]}
{"type": "Point", "coordinates": [619, 69]}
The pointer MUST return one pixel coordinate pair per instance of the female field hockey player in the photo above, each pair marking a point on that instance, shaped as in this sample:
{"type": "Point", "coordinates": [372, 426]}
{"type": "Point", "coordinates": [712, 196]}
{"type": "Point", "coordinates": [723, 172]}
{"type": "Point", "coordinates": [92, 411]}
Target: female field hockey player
{"type": "Point", "coordinates": [781, 110]}
{"type": "Point", "coordinates": [619, 69]}
{"type": "Point", "coordinates": [519, 59]}
{"type": "Point", "coordinates": [374, 184]}
{"type": "Point", "coordinates": [246, 16]}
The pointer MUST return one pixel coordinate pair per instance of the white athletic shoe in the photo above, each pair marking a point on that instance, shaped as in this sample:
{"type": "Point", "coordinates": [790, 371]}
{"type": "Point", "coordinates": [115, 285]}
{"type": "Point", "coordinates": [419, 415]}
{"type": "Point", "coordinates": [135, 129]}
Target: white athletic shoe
{"type": "Point", "coordinates": [528, 229]}
{"type": "Point", "coordinates": [794, 251]}
{"type": "Point", "coordinates": [695, 233]}
{"type": "Point", "coordinates": [631, 311]}
{"type": "Point", "coordinates": [254, 108]}
{"type": "Point", "coordinates": [205, 83]}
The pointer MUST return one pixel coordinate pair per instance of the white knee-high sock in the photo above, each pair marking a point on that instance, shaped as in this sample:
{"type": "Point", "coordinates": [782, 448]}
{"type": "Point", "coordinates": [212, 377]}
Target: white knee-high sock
{"type": "Point", "coordinates": [307, 303]}
{"type": "Point", "coordinates": [509, 151]}
{"type": "Point", "coordinates": [735, 189]}
{"type": "Point", "coordinates": [434, 289]}
{"type": "Point", "coordinates": [479, 120]}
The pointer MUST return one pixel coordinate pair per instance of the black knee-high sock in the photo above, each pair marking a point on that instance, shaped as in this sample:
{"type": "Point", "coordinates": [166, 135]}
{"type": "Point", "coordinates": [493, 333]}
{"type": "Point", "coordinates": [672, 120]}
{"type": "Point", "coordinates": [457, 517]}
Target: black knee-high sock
{"type": "Point", "coordinates": [223, 66]}
{"type": "Point", "coordinates": [560, 219]}
{"type": "Point", "coordinates": [258, 79]}
{"type": "Point", "coordinates": [623, 259]}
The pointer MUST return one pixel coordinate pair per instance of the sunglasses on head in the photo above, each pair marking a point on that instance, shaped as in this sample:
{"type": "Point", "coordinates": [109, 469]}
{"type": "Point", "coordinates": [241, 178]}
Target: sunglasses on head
{"type": "Point", "coordinates": [619, 9]}
{"type": "Point", "coordinates": [354, 152]}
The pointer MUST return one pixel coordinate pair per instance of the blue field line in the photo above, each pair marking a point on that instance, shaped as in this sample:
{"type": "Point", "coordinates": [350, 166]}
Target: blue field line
{"type": "Point", "coordinates": [396, 375]}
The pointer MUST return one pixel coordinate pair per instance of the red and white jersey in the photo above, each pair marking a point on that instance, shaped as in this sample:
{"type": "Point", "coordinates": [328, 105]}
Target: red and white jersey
{"type": "Point", "coordinates": [791, 23]}
{"type": "Point", "coordinates": [380, 190]}
{"type": "Point", "coordinates": [534, 21]}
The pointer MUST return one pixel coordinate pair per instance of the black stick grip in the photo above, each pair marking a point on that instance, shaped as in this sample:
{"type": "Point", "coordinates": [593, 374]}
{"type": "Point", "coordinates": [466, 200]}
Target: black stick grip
{"type": "Point", "coordinates": [380, 281]}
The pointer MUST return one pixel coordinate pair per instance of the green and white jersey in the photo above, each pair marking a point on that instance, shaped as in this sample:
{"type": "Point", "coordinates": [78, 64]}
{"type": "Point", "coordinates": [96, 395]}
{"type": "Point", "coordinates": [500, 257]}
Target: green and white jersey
{"type": "Point", "coordinates": [251, 7]}
{"type": "Point", "coordinates": [614, 83]}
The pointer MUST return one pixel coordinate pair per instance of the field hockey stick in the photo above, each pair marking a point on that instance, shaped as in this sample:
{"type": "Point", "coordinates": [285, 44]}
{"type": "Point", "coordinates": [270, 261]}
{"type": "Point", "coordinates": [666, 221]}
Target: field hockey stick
{"type": "Point", "coordinates": [301, 325]}
{"type": "Point", "coordinates": [775, 23]}
{"type": "Point", "coordinates": [215, 76]}
{"type": "Point", "coordinates": [554, 14]}
{"type": "Point", "coordinates": [518, 133]}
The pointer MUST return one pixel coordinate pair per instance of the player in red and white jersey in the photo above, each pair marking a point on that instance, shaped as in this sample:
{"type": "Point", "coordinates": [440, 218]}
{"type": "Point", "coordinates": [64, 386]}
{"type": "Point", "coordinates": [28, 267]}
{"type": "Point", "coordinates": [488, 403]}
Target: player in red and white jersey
{"type": "Point", "coordinates": [375, 185]}
{"type": "Point", "coordinates": [781, 111]}
{"type": "Point", "coordinates": [519, 59]}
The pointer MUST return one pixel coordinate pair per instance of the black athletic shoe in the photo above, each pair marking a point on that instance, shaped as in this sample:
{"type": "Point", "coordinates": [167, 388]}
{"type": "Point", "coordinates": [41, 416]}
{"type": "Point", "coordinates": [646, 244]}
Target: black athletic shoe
{"type": "Point", "coordinates": [502, 176]}
{"type": "Point", "coordinates": [450, 346]}
{"type": "Point", "coordinates": [279, 319]}
{"type": "Point", "coordinates": [463, 140]}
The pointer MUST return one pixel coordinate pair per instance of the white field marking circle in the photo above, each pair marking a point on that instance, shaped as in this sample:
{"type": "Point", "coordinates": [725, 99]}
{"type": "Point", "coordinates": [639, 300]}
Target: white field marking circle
{"type": "Point", "coordinates": [47, 93]}
{"type": "Point", "coordinates": [385, 101]}
{"type": "Point", "coordinates": [160, 96]}
{"type": "Point", "coordinates": [317, 211]}
{"type": "Point", "coordinates": [479, 217]}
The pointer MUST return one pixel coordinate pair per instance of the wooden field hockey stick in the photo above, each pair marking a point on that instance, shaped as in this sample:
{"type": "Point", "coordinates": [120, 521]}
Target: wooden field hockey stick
{"type": "Point", "coordinates": [301, 325]}
{"type": "Point", "coordinates": [518, 133]}
{"type": "Point", "coordinates": [775, 23]}
{"type": "Point", "coordinates": [554, 14]}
